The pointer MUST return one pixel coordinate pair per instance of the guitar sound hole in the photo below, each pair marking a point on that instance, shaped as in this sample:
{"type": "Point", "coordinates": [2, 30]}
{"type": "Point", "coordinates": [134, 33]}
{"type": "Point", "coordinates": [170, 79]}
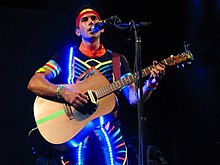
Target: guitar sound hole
{"type": "Point", "coordinates": [92, 104]}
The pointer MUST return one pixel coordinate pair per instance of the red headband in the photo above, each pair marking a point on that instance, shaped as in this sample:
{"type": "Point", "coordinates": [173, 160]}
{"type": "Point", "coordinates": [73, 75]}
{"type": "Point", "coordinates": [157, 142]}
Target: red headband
{"type": "Point", "coordinates": [83, 12]}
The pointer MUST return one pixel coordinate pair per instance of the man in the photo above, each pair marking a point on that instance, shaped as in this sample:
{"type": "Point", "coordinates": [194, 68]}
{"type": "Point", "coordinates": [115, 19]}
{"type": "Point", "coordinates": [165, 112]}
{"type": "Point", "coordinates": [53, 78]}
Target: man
{"type": "Point", "coordinates": [104, 144]}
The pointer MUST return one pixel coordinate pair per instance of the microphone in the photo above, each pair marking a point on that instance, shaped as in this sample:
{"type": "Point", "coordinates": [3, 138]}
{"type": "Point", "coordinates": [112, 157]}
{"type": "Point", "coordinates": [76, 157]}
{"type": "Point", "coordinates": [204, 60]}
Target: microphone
{"type": "Point", "coordinates": [103, 23]}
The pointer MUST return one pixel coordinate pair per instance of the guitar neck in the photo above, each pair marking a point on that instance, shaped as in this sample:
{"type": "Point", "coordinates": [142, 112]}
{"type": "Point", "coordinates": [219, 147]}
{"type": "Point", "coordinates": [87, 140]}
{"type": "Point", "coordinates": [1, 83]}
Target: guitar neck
{"type": "Point", "coordinates": [170, 61]}
{"type": "Point", "coordinates": [110, 88]}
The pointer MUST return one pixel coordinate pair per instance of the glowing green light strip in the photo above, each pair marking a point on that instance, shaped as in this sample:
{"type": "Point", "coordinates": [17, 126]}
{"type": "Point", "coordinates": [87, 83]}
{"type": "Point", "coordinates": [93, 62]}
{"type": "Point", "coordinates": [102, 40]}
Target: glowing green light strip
{"type": "Point", "coordinates": [52, 116]}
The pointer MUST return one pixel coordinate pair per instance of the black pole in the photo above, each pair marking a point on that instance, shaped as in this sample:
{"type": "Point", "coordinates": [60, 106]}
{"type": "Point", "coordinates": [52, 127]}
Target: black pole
{"type": "Point", "coordinates": [138, 84]}
{"type": "Point", "coordinates": [139, 90]}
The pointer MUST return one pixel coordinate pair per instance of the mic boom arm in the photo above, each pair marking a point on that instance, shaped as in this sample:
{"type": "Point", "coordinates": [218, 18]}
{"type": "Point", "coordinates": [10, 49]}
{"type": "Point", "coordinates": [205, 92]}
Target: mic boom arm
{"type": "Point", "coordinates": [114, 20]}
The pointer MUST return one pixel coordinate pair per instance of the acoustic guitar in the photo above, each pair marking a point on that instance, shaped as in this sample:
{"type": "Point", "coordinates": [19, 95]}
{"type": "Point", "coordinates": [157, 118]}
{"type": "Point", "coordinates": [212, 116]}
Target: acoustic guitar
{"type": "Point", "coordinates": [59, 123]}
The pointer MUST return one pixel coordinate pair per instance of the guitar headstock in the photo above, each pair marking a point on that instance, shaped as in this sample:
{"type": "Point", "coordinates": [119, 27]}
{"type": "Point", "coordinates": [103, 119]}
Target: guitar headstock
{"type": "Point", "coordinates": [185, 57]}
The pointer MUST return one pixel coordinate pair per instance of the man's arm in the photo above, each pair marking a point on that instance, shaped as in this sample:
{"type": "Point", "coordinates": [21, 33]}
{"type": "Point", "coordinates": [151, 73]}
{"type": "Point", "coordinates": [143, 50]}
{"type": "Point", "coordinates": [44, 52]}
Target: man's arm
{"type": "Point", "coordinates": [149, 86]}
{"type": "Point", "coordinates": [40, 84]}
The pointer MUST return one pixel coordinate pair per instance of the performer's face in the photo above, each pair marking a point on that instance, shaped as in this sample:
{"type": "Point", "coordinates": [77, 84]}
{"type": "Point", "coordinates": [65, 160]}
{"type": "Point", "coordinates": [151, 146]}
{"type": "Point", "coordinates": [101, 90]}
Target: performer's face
{"type": "Point", "coordinates": [85, 24]}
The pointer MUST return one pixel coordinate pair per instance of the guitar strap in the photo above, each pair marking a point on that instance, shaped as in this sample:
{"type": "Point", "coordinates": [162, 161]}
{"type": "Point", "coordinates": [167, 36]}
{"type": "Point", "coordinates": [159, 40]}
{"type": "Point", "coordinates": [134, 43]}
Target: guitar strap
{"type": "Point", "coordinates": [116, 65]}
{"type": "Point", "coordinates": [117, 75]}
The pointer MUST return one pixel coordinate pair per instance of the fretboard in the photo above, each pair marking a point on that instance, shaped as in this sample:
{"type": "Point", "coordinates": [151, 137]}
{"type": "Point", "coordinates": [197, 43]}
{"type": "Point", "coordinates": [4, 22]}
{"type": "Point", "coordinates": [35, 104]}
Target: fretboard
{"type": "Point", "coordinates": [110, 88]}
{"type": "Point", "coordinates": [170, 61]}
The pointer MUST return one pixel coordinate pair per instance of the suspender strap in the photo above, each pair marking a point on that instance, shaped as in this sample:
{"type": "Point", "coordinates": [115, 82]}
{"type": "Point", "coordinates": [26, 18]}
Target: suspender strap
{"type": "Point", "coordinates": [116, 65]}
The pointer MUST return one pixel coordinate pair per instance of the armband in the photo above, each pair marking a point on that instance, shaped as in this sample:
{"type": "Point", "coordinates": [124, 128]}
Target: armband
{"type": "Point", "coordinates": [58, 91]}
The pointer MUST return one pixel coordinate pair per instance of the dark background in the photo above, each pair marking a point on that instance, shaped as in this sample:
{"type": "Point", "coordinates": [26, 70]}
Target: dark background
{"type": "Point", "coordinates": [182, 116]}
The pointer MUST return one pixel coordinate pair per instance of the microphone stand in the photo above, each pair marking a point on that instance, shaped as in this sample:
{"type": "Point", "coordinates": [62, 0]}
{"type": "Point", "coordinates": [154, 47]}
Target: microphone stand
{"type": "Point", "coordinates": [138, 84]}
{"type": "Point", "coordinates": [139, 90]}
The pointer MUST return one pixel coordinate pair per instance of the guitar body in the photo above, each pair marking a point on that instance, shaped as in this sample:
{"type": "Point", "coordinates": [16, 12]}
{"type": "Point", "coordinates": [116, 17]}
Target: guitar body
{"type": "Point", "coordinates": [63, 126]}
{"type": "Point", "coordinates": [58, 128]}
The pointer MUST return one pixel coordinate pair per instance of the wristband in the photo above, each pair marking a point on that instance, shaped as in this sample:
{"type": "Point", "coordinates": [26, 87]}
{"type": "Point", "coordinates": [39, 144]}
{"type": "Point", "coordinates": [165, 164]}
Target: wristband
{"type": "Point", "coordinates": [150, 87]}
{"type": "Point", "coordinates": [58, 91]}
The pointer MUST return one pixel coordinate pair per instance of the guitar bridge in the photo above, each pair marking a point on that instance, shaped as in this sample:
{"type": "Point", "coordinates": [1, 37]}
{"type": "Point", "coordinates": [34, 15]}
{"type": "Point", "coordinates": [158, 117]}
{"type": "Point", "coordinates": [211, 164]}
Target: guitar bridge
{"type": "Point", "coordinates": [69, 111]}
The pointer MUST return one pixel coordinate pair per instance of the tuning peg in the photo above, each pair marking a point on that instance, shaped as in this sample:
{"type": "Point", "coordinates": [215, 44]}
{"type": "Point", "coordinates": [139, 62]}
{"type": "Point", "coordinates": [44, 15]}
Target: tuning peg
{"type": "Point", "coordinates": [178, 66]}
{"type": "Point", "coordinates": [183, 65]}
{"type": "Point", "coordinates": [186, 46]}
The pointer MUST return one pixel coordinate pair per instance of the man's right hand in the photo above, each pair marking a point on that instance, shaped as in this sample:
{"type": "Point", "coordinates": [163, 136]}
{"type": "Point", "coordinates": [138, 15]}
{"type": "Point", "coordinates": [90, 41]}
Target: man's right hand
{"type": "Point", "coordinates": [74, 97]}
